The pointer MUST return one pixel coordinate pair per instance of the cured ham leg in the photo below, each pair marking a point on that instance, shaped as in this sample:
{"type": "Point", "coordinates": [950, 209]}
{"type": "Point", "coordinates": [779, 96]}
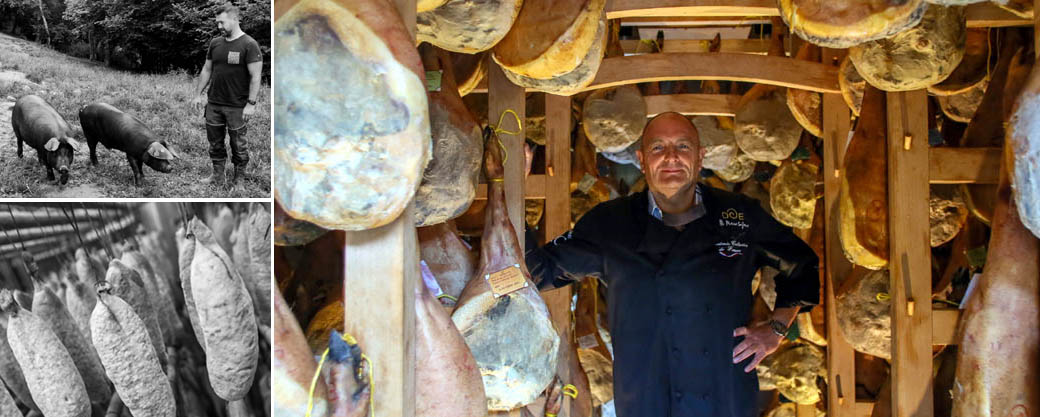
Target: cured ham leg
{"type": "Point", "coordinates": [998, 364]}
{"type": "Point", "coordinates": [448, 258]}
{"type": "Point", "coordinates": [447, 380]}
{"type": "Point", "coordinates": [501, 316]}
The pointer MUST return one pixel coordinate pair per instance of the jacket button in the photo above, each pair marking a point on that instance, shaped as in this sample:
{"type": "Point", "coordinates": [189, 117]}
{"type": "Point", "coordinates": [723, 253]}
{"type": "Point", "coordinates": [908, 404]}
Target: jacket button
{"type": "Point", "coordinates": [704, 397]}
{"type": "Point", "coordinates": [707, 309]}
{"type": "Point", "coordinates": [675, 350]}
{"type": "Point", "coordinates": [678, 395]}
{"type": "Point", "coordinates": [705, 352]}
{"type": "Point", "coordinates": [668, 311]}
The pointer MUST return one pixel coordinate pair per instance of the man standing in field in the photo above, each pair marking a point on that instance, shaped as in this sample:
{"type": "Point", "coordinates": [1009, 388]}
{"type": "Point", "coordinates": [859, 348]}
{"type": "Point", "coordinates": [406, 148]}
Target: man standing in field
{"type": "Point", "coordinates": [232, 72]}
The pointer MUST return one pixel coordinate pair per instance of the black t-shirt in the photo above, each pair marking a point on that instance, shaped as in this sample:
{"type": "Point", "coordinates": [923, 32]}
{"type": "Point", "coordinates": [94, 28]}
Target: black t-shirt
{"type": "Point", "coordinates": [229, 79]}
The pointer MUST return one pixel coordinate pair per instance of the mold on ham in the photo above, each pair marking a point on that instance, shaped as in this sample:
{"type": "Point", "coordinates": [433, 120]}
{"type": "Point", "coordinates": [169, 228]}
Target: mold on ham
{"type": "Point", "coordinates": [973, 68]}
{"type": "Point", "coordinates": [1024, 140]}
{"type": "Point", "coordinates": [765, 129]}
{"type": "Point", "coordinates": [467, 26]}
{"type": "Point", "coordinates": [351, 114]}
{"type": "Point", "coordinates": [947, 213]}
{"type": "Point", "coordinates": [500, 314]}
{"type": "Point", "coordinates": [740, 168]}
{"type": "Point", "coordinates": [450, 180]}
{"type": "Point", "coordinates": [571, 82]}
{"type": "Point", "coordinates": [864, 312]}
{"type": "Point", "coordinates": [917, 57]}
{"type": "Point", "coordinates": [844, 23]}
{"type": "Point", "coordinates": [549, 38]}
{"type": "Point", "coordinates": [792, 193]}
{"type": "Point", "coordinates": [793, 370]}
{"type": "Point", "coordinates": [961, 107]}
{"type": "Point", "coordinates": [614, 118]}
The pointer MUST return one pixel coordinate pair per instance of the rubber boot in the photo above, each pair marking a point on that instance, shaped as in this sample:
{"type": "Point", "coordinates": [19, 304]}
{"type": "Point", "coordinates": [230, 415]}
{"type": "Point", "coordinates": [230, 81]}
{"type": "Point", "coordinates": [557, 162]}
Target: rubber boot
{"type": "Point", "coordinates": [237, 176]}
{"type": "Point", "coordinates": [218, 175]}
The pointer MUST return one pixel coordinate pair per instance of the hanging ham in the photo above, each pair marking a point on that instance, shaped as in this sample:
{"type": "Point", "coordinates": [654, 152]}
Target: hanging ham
{"type": "Point", "coordinates": [500, 314]}
{"type": "Point", "coordinates": [352, 130]}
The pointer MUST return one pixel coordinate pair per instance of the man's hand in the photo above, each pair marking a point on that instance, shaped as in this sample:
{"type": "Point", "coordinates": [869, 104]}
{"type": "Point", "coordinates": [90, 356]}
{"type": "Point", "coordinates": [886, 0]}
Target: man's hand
{"type": "Point", "coordinates": [759, 341]}
{"type": "Point", "coordinates": [199, 102]}
{"type": "Point", "coordinates": [248, 111]}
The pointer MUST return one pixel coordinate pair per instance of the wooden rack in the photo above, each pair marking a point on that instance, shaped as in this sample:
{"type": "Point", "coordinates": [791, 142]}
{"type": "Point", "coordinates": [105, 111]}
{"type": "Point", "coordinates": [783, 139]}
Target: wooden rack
{"type": "Point", "coordinates": [390, 252]}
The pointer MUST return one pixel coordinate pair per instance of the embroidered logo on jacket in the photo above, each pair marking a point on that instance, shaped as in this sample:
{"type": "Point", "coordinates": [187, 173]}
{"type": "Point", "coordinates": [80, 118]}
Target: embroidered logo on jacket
{"type": "Point", "coordinates": [731, 248]}
{"type": "Point", "coordinates": [732, 218]}
{"type": "Point", "coordinates": [232, 58]}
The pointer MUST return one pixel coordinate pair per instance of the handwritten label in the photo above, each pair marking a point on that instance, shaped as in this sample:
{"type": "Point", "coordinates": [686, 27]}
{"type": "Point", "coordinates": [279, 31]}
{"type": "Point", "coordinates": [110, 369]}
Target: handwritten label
{"type": "Point", "coordinates": [506, 281]}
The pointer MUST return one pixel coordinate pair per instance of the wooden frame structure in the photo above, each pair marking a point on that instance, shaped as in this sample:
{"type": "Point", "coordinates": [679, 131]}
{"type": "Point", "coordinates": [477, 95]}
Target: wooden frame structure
{"type": "Point", "coordinates": [391, 253]}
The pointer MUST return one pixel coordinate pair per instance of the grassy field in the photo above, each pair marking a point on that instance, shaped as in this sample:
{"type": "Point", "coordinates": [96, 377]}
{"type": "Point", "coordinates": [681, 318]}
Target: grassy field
{"type": "Point", "coordinates": [162, 102]}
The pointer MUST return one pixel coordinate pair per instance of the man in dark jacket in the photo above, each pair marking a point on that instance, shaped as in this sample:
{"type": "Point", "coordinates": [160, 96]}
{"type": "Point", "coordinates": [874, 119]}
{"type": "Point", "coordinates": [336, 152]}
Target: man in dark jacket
{"type": "Point", "coordinates": [678, 261]}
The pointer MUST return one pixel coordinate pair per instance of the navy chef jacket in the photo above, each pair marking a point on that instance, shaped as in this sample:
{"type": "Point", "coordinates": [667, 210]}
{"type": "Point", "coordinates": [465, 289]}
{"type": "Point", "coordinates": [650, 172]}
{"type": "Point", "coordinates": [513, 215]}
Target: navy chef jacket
{"type": "Point", "coordinates": [675, 297]}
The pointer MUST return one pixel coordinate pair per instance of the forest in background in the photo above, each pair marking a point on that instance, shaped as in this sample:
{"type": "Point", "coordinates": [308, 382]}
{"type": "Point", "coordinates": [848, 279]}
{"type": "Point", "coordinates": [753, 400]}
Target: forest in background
{"type": "Point", "coordinates": [155, 36]}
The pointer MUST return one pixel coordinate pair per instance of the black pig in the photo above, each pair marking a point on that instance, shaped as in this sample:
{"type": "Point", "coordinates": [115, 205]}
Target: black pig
{"type": "Point", "coordinates": [120, 131]}
{"type": "Point", "coordinates": [41, 127]}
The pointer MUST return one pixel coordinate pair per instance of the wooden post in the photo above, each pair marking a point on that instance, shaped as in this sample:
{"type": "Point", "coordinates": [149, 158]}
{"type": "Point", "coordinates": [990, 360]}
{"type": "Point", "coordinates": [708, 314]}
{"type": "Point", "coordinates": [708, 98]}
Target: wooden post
{"type": "Point", "coordinates": [1036, 27]}
{"type": "Point", "coordinates": [558, 158]}
{"type": "Point", "coordinates": [381, 268]}
{"type": "Point", "coordinates": [503, 95]}
{"type": "Point", "coordinates": [841, 375]}
{"type": "Point", "coordinates": [909, 254]}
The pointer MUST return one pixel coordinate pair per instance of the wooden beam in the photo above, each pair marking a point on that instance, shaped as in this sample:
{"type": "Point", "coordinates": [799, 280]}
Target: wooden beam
{"type": "Point", "coordinates": [692, 104]}
{"type": "Point", "coordinates": [557, 221]}
{"type": "Point", "coordinates": [617, 9]}
{"type": "Point", "coordinates": [944, 326]}
{"type": "Point", "coordinates": [744, 46]}
{"type": "Point", "coordinates": [987, 14]}
{"type": "Point", "coordinates": [683, 22]}
{"type": "Point", "coordinates": [503, 95]}
{"type": "Point", "coordinates": [841, 389]}
{"type": "Point", "coordinates": [1036, 26]}
{"type": "Point", "coordinates": [557, 181]}
{"type": "Point", "coordinates": [762, 69]}
{"type": "Point", "coordinates": [963, 165]}
{"type": "Point", "coordinates": [863, 409]}
{"type": "Point", "coordinates": [383, 264]}
{"type": "Point", "coordinates": [909, 254]}
{"type": "Point", "coordinates": [805, 410]}
{"type": "Point", "coordinates": [983, 14]}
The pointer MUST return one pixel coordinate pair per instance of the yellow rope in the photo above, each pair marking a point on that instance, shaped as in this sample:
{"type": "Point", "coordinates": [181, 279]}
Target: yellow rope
{"type": "Point", "coordinates": [882, 296]}
{"type": "Point", "coordinates": [448, 297]}
{"type": "Point", "coordinates": [570, 391]}
{"type": "Point", "coordinates": [519, 126]}
{"type": "Point", "coordinates": [317, 373]}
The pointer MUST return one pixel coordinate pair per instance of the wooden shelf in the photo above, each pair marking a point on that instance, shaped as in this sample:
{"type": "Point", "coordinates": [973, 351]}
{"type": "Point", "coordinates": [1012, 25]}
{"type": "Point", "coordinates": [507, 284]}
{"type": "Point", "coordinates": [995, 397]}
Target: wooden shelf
{"type": "Point", "coordinates": [977, 15]}
{"type": "Point", "coordinates": [762, 69]}
{"type": "Point", "coordinates": [964, 165]}
{"type": "Point", "coordinates": [692, 104]}
{"type": "Point", "coordinates": [744, 46]}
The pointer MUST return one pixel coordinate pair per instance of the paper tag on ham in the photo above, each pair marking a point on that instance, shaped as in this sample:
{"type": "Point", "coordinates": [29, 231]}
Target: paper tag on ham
{"type": "Point", "coordinates": [588, 341]}
{"type": "Point", "coordinates": [430, 280]}
{"type": "Point", "coordinates": [586, 183]}
{"type": "Point", "coordinates": [506, 281]}
{"type": "Point", "coordinates": [433, 80]}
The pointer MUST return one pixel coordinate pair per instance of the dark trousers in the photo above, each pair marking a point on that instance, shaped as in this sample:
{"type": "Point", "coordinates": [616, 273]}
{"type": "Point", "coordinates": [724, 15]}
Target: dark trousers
{"type": "Point", "coordinates": [221, 119]}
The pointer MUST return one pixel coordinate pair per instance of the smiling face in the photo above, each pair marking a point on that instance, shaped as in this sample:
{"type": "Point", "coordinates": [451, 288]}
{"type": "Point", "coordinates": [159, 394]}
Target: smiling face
{"type": "Point", "coordinates": [670, 153]}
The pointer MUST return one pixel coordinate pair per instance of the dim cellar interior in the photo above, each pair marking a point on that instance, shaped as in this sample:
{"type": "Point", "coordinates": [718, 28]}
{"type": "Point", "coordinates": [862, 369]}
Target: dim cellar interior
{"type": "Point", "coordinates": [414, 182]}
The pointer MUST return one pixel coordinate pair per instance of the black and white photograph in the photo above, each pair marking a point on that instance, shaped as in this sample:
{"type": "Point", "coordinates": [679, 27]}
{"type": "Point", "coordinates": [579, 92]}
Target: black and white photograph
{"type": "Point", "coordinates": [121, 98]}
{"type": "Point", "coordinates": [135, 309]}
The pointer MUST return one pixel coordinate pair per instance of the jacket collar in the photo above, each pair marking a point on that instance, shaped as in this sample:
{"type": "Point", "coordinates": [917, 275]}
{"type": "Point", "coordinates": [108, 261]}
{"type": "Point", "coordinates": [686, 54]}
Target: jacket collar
{"type": "Point", "coordinates": [654, 230]}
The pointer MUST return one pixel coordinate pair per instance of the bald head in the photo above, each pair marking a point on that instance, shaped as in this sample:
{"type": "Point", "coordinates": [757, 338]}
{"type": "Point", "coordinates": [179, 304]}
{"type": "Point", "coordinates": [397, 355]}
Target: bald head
{"type": "Point", "coordinates": [670, 153]}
